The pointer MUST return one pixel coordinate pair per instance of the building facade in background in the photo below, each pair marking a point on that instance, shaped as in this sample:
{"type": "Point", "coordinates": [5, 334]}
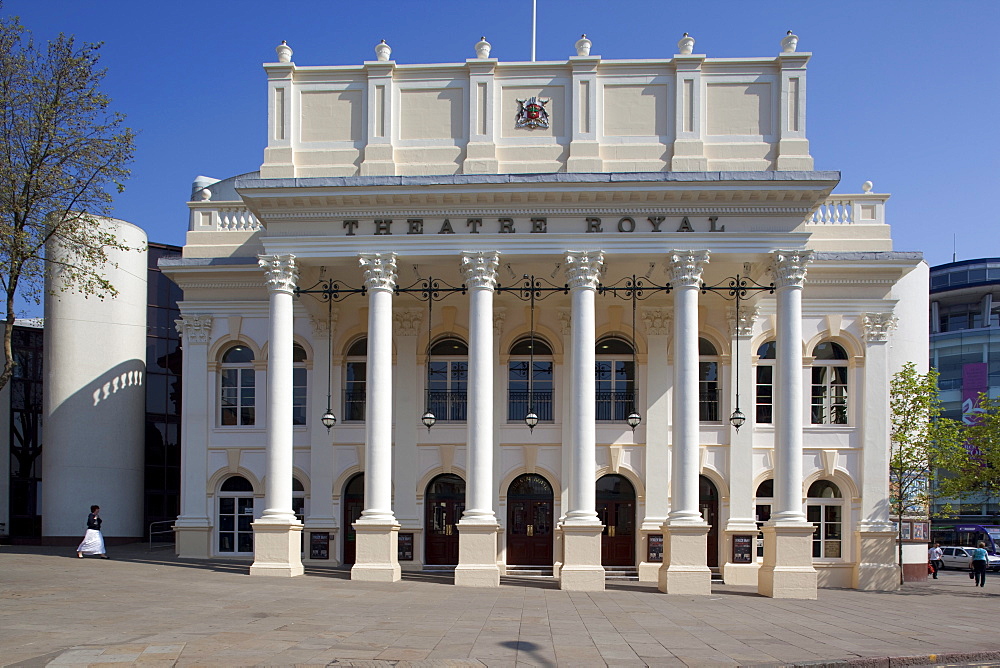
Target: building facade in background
{"type": "Point", "coordinates": [965, 350]}
{"type": "Point", "coordinates": [489, 272]}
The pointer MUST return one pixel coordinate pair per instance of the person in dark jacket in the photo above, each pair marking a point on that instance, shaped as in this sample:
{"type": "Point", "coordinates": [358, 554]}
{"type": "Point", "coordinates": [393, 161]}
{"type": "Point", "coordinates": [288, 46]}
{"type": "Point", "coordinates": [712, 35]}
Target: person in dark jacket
{"type": "Point", "coordinates": [93, 540]}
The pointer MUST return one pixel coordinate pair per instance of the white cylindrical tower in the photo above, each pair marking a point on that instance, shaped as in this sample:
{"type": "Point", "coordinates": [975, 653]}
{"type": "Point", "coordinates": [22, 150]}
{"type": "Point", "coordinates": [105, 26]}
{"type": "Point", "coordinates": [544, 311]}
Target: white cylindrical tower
{"type": "Point", "coordinates": [95, 395]}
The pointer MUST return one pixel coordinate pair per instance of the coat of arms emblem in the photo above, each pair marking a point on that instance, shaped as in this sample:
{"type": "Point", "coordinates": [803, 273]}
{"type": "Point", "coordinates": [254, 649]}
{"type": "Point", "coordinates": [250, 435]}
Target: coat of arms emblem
{"type": "Point", "coordinates": [531, 113]}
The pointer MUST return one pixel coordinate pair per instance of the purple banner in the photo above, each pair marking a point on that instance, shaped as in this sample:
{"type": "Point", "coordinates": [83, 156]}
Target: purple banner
{"type": "Point", "coordinates": [975, 381]}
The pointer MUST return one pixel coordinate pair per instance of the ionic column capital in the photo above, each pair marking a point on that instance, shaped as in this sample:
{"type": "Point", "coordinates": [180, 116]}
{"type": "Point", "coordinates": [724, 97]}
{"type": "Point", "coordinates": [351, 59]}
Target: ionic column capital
{"type": "Point", "coordinates": [583, 269]}
{"type": "Point", "coordinates": [876, 326]}
{"type": "Point", "coordinates": [685, 267]}
{"type": "Point", "coordinates": [196, 328]}
{"type": "Point", "coordinates": [657, 320]}
{"type": "Point", "coordinates": [479, 268]}
{"type": "Point", "coordinates": [790, 267]}
{"type": "Point", "coordinates": [406, 322]}
{"type": "Point", "coordinates": [280, 272]}
{"type": "Point", "coordinates": [379, 269]}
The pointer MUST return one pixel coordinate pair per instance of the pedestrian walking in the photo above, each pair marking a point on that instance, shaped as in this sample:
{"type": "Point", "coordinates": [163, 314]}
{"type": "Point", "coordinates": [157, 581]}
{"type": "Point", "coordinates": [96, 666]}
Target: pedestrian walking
{"type": "Point", "coordinates": [93, 540]}
{"type": "Point", "coordinates": [979, 561]}
{"type": "Point", "coordinates": [934, 558]}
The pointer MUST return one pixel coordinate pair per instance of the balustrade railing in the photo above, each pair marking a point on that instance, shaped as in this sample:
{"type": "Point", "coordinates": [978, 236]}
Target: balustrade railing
{"type": "Point", "coordinates": [865, 209]}
{"type": "Point", "coordinates": [518, 404]}
{"type": "Point", "coordinates": [211, 216]}
{"type": "Point", "coordinates": [614, 406]}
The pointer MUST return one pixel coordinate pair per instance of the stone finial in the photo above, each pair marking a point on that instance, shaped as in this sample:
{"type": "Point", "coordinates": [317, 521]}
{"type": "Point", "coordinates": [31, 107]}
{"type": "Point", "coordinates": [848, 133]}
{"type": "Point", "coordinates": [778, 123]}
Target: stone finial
{"type": "Point", "coordinates": [686, 46]}
{"type": "Point", "coordinates": [382, 51]}
{"type": "Point", "coordinates": [205, 194]}
{"type": "Point", "coordinates": [790, 43]}
{"type": "Point", "coordinates": [583, 46]}
{"type": "Point", "coordinates": [483, 48]}
{"type": "Point", "coordinates": [866, 186]}
{"type": "Point", "coordinates": [284, 52]}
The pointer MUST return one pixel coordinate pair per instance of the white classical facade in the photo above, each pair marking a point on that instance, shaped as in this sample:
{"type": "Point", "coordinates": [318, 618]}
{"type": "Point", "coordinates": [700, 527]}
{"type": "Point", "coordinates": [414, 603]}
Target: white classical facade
{"type": "Point", "coordinates": [527, 257]}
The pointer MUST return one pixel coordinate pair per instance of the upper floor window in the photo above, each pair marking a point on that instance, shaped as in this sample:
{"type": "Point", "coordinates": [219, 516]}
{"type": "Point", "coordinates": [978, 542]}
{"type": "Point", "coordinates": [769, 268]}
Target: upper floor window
{"type": "Point", "coordinates": [825, 509]}
{"type": "Point", "coordinates": [829, 384]}
{"type": "Point", "coordinates": [708, 381]}
{"type": "Point", "coordinates": [355, 377]}
{"type": "Point", "coordinates": [765, 383]}
{"type": "Point", "coordinates": [300, 392]}
{"type": "Point", "coordinates": [448, 379]}
{"type": "Point", "coordinates": [238, 387]}
{"type": "Point", "coordinates": [534, 396]}
{"type": "Point", "coordinates": [615, 372]}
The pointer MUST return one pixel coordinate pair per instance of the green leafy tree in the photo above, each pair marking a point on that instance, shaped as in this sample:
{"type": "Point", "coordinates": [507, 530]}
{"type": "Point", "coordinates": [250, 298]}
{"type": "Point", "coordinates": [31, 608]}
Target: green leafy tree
{"type": "Point", "coordinates": [977, 472]}
{"type": "Point", "coordinates": [920, 443]}
{"type": "Point", "coordinates": [62, 153]}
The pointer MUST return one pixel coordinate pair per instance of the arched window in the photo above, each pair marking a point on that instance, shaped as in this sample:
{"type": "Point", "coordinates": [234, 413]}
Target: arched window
{"type": "Point", "coordinates": [518, 400]}
{"type": "Point", "coordinates": [298, 500]}
{"type": "Point", "coordinates": [829, 384]}
{"type": "Point", "coordinates": [708, 381]}
{"type": "Point", "coordinates": [237, 400]}
{"type": "Point", "coordinates": [825, 509]}
{"type": "Point", "coordinates": [355, 375]}
{"type": "Point", "coordinates": [235, 516]}
{"type": "Point", "coordinates": [615, 379]}
{"type": "Point", "coordinates": [448, 379]}
{"type": "Point", "coordinates": [300, 390]}
{"type": "Point", "coordinates": [764, 497]}
{"type": "Point", "coordinates": [765, 382]}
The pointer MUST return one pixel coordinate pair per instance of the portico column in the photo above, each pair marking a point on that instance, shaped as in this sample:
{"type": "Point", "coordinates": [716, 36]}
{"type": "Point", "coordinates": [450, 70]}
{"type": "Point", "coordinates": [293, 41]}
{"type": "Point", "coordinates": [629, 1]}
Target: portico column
{"type": "Point", "coordinates": [787, 571]}
{"type": "Point", "coordinates": [685, 534]}
{"type": "Point", "coordinates": [875, 538]}
{"type": "Point", "coordinates": [658, 322]}
{"type": "Point", "coordinates": [193, 529]}
{"type": "Point", "coordinates": [377, 530]}
{"type": "Point", "coordinates": [278, 534]}
{"type": "Point", "coordinates": [581, 569]}
{"type": "Point", "coordinates": [742, 521]}
{"type": "Point", "coordinates": [477, 530]}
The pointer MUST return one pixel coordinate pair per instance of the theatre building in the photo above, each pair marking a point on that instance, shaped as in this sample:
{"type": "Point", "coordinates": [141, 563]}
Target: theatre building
{"type": "Point", "coordinates": [583, 316]}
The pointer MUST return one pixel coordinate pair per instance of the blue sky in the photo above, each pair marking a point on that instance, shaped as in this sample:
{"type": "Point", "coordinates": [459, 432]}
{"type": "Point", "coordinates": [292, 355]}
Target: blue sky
{"type": "Point", "coordinates": [906, 94]}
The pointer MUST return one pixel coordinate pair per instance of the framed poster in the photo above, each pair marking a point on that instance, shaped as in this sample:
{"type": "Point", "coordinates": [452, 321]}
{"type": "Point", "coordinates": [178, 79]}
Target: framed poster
{"type": "Point", "coordinates": [319, 544]}
{"type": "Point", "coordinates": [906, 530]}
{"type": "Point", "coordinates": [743, 549]}
{"type": "Point", "coordinates": [654, 553]}
{"type": "Point", "coordinates": [920, 531]}
{"type": "Point", "coordinates": [405, 548]}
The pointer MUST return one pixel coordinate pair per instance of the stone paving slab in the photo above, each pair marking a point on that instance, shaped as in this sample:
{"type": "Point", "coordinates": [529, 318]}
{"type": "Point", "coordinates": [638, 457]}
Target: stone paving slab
{"type": "Point", "coordinates": [151, 609]}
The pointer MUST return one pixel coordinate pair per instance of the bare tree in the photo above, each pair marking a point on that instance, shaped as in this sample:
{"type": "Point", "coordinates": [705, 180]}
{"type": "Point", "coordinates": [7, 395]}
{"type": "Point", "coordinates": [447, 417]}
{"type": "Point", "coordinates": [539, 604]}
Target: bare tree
{"type": "Point", "coordinates": [63, 153]}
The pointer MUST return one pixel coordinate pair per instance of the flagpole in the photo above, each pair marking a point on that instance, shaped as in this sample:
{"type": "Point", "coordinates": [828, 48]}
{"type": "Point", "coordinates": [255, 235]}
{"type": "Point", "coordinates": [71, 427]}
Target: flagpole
{"type": "Point", "coordinates": [534, 21]}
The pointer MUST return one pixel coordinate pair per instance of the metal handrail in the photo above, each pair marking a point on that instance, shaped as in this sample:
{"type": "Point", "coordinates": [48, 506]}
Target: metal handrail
{"type": "Point", "coordinates": [169, 530]}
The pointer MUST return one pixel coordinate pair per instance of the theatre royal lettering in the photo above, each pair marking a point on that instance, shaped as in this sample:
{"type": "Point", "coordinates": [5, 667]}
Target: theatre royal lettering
{"type": "Point", "coordinates": [533, 225]}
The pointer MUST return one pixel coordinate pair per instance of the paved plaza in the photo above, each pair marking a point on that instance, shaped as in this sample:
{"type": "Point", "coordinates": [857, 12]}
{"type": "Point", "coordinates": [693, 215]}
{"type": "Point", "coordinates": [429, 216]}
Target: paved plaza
{"type": "Point", "coordinates": [151, 609]}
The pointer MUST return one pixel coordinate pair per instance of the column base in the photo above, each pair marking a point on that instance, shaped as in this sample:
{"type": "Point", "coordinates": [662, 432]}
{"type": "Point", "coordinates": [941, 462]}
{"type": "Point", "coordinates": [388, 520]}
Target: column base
{"type": "Point", "coordinates": [685, 560]}
{"type": "Point", "coordinates": [787, 571]}
{"type": "Point", "coordinates": [192, 540]}
{"type": "Point", "coordinates": [876, 568]}
{"type": "Point", "coordinates": [477, 555]}
{"type": "Point", "coordinates": [377, 552]}
{"type": "Point", "coordinates": [581, 568]}
{"type": "Point", "coordinates": [277, 549]}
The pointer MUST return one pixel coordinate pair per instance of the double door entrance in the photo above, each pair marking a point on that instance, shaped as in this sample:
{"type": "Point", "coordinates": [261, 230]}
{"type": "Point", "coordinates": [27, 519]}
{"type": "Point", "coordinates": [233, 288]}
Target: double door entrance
{"type": "Point", "coordinates": [529, 521]}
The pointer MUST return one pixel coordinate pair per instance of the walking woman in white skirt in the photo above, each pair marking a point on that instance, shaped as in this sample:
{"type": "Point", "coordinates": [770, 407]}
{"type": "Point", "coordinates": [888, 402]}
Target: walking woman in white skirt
{"type": "Point", "coordinates": [93, 541]}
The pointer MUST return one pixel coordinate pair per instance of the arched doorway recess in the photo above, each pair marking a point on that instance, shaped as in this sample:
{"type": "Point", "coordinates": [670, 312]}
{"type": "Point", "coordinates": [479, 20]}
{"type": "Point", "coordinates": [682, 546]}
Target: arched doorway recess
{"type": "Point", "coordinates": [444, 504]}
{"type": "Point", "coordinates": [616, 508]}
{"type": "Point", "coordinates": [708, 504]}
{"type": "Point", "coordinates": [354, 503]}
{"type": "Point", "coordinates": [529, 521]}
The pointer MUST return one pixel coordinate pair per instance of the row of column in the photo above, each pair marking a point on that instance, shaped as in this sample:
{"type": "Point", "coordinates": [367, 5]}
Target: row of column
{"type": "Point", "coordinates": [787, 569]}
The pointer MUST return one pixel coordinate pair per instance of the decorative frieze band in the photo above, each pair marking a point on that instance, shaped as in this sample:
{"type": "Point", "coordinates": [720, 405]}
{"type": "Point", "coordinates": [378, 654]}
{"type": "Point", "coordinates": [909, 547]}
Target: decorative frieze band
{"type": "Point", "coordinates": [685, 267]}
{"type": "Point", "coordinates": [197, 328]}
{"type": "Point", "coordinates": [876, 326]}
{"type": "Point", "coordinates": [407, 322]}
{"type": "Point", "coordinates": [583, 269]}
{"type": "Point", "coordinates": [479, 268]}
{"type": "Point", "coordinates": [657, 320]}
{"type": "Point", "coordinates": [790, 267]}
{"type": "Point", "coordinates": [379, 270]}
{"type": "Point", "coordinates": [280, 271]}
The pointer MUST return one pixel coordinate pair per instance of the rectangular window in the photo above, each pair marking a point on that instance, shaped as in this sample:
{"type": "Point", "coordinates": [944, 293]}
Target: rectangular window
{"type": "Point", "coordinates": [299, 395]}
{"type": "Point", "coordinates": [765, 394]}
{"type": "Point", "coordinates": [520, 400]}
{"type": "Point", "coordinates": [708, 391]}
{"type": "Point", "coordinates": [827, 536]}
{"type": "Point", "coordinates": [829, 395]}
{"type": "Point", "coordinates": [354, 392]}
{"type": "Point", "coordinates": [615, 390]}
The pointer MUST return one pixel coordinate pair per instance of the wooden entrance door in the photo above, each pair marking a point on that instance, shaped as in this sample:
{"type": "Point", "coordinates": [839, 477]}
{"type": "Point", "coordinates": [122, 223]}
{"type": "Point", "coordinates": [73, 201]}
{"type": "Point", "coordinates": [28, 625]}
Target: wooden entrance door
{"type": "Point", "coordinates": [708, 504]}
{"type": "Point", "coordinates": [444, 503]}
{"type": "Point", "coordinates": [354, 503]}
{"type": "Point", "coordinates": [616, 508]}
{"type": "Point", "coordinates": [529, 521]}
